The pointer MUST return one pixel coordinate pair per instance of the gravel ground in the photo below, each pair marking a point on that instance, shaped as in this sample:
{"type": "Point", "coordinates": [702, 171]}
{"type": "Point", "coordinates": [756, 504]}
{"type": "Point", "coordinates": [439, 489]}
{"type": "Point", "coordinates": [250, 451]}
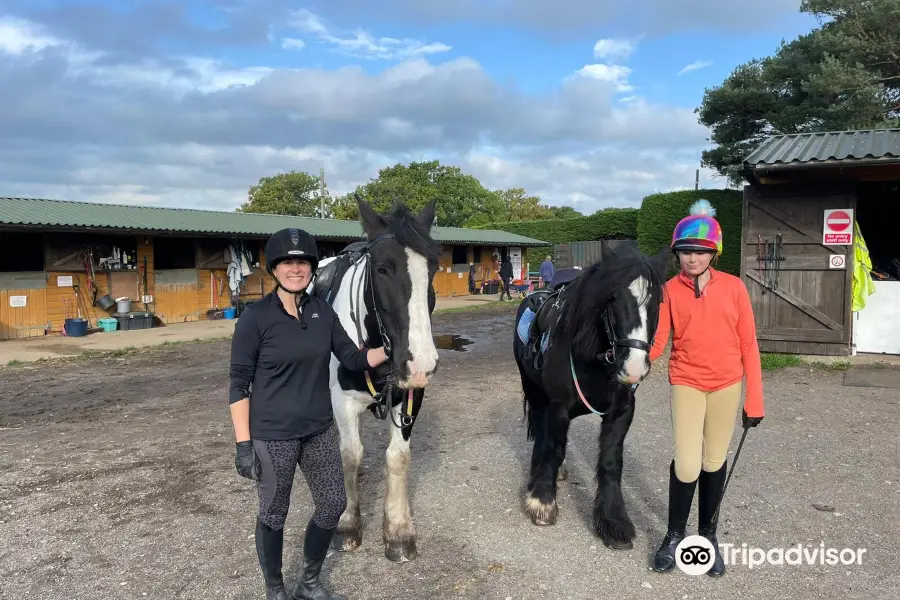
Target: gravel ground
{"type": "Point", "coordinates": [117, 481]}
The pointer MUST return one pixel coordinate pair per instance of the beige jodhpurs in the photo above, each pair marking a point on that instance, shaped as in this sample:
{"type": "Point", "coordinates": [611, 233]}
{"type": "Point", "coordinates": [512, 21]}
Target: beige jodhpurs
{"type": "Point", "coordinates": [702, 425]}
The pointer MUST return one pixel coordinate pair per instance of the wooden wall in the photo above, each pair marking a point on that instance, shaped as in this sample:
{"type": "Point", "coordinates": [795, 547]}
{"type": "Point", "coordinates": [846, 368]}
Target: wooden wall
{"type": "Point", "coordinates": [448, 284]}
{"type": "Point", "coordinates": [23, 321]}
{"type": "Point", "coordinates": [189, 299]}
{"type": "Point", "coordinates": [804, 308]}
{"type": "Point", "coordinates": [47, 307]}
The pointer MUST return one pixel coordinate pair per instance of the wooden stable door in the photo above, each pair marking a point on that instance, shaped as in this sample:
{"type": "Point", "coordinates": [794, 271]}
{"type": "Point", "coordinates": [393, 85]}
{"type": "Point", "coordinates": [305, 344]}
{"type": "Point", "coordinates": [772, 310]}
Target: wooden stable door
{"type": "Point", "coordinates": [801, 304]}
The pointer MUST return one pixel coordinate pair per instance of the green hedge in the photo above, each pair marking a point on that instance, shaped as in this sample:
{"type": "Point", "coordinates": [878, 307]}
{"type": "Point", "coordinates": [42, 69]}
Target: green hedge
{"type": "Point", "coordinates": [607, 223]}
{"type": "Point", "coordinates": [661, 212]}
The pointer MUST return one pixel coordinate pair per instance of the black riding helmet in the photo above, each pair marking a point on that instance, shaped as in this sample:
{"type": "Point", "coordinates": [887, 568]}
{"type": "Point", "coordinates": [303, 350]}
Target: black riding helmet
{"type": "Point", "coordinates": [288, 244]}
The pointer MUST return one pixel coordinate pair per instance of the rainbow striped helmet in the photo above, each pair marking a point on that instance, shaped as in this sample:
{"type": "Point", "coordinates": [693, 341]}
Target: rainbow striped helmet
{"type": "Point", "coordinates": [699, 230]}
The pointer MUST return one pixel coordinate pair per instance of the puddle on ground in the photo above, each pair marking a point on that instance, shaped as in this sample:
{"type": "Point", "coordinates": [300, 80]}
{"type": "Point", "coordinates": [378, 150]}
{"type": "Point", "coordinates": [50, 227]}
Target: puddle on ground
{"type": "Point", "coordinates": [456, 343]}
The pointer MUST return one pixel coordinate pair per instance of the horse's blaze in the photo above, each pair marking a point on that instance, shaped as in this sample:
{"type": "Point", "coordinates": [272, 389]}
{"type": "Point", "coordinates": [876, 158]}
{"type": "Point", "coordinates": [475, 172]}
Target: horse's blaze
{"type": "Point", "coordinates": [636, 363]}
{"type": "Point", "coordinates": [421, 343]}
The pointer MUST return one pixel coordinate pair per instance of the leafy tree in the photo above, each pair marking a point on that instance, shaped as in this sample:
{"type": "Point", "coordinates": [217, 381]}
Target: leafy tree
{"type": "Point", "coordinates": [843, 75]}
{"type": "Point", "coordinates": [564, 212]}
{"type": "Point", "coordinates": [462, 200]}
{"type": "Point", "coordinates": [460, 196]}
{"type": "Point", "coordinates": [295, 193]}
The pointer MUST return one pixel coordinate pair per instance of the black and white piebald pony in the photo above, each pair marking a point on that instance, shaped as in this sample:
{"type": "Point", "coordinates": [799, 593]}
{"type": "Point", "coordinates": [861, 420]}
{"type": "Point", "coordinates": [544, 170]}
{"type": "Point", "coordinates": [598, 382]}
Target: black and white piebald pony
{"type": "Point", "coordinates": [586, 349]}
{"type": "Point", "coordinates": [381, 289]}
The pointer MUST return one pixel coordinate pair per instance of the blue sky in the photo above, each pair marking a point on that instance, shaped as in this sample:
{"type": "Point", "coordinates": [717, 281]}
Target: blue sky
{"type": "Point", "coordinates": [189, 104]}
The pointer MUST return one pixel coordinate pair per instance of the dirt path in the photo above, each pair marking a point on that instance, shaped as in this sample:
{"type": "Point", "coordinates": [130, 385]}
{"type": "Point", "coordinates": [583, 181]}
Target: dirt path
{"type": "Point", "coordinates": [117, 481]}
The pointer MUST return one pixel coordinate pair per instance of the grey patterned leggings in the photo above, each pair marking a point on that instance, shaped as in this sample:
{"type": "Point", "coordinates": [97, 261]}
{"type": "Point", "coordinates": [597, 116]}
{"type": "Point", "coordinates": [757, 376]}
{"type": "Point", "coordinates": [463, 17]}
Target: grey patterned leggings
{"type": "Point", "coordinates": [319, 458]}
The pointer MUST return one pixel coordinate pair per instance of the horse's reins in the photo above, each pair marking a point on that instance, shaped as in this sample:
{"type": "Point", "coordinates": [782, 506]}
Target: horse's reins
{"type": "Point", "coordinates": [381, 408]}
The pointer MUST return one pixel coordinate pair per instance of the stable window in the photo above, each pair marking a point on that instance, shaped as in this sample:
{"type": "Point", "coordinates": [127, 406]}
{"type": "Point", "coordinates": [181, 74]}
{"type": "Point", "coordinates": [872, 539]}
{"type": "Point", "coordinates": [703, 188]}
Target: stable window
{"type": "Point", "coordinates": [476, 254]}
{"type": "Point", "coordinates": [174, 253]}
{"type": "Point", "coordinates": [460, 255]}
{"type": "Point", "coordinates": [21, 252]}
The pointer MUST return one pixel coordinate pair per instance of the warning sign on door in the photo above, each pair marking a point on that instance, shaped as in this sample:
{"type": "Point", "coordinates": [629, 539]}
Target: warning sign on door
{"type": "Point", "coordinates": [838, 227]}
{"type": "Point", "coordinates": [836, 261]}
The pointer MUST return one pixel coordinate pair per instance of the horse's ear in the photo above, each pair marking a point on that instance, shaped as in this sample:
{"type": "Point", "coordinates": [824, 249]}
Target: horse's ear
{"type": "Point", "coordinates": [372, 222]}
{"type": "Point", "coordinates": [428, 213]}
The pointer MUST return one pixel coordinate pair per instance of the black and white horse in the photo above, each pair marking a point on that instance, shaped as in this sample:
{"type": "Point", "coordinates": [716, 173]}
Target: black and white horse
{"type": "Point", "coordinates": [381, 289]}
{"type": "Point", "coordinates": [586, 349]}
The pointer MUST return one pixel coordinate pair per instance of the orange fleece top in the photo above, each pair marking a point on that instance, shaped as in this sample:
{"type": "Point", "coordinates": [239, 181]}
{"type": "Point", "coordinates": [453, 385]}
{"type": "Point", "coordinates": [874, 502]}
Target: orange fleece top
{"type": "Point", "coordinates": [714, 337]}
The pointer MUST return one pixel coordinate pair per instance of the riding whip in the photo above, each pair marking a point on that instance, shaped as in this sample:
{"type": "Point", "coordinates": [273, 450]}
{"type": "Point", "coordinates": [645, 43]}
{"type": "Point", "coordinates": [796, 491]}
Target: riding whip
{"type": "Point", "coordinates": [730, 472]}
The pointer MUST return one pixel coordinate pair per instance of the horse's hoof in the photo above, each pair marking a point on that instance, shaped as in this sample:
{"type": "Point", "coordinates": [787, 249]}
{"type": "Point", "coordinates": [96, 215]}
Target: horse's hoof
{"type": "Point", "coordinates": [541, 514]}
{"type": "Point", "coordinates": [542, 522]}
{"type": "Point", "coordinates": [401, 552]}
{"type": "Point", "coordinates": [346, 542]}
{"type": "Point", "coordinates": [563, 473]}
{"type": "Point", "coordinates": [618, 544]}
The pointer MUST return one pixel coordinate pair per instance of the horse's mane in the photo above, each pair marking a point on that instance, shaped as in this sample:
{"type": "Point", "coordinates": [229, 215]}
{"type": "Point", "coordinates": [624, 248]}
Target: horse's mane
{"type": "Point", "coordinates": [588, 295]}
{"type": "Point", "coordinates": [411, 233]}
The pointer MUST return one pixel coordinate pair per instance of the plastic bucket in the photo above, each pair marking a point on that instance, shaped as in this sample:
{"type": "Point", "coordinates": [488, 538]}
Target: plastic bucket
{"type": "Point", "coordinates": [229, 313]}
{"type": "Point", "coordinates": [123, 306]}
{"type": "Point", "coordinates": [76, 327]}
{"type": "Point", "coordinates": [105, 302]}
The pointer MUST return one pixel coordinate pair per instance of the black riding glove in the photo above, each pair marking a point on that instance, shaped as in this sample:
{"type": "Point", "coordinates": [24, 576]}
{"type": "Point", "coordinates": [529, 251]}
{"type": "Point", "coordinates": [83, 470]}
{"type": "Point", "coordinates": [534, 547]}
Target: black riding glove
{"type": "Point", "coordinates": [751, 421]}
{"type": "Point", "coordinates": [246, 462]}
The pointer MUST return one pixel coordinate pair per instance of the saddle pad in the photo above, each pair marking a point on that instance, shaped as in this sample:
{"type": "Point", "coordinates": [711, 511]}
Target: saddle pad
{"type": "Point", "coordinates": [524, 326]}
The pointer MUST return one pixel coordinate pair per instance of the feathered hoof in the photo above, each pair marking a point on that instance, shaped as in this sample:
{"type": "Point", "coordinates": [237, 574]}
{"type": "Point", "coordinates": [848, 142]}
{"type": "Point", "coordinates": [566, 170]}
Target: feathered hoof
{"type": "Point", "coordinates": [401, 552]}
{"type": "Point", "coordinates": [616, 534]}
{"type": "Point", "coordinates": [346, 541]}
{"type": "Point", "coordinates": [618, 544]}
{"type": "Point", "coordinates": [542, 514]}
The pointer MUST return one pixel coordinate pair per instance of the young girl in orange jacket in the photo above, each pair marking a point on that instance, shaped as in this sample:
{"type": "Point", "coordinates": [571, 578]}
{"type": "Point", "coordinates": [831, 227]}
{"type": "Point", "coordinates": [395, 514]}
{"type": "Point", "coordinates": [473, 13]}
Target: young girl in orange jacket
{"type": "Point", "coordinates": [714, 347]}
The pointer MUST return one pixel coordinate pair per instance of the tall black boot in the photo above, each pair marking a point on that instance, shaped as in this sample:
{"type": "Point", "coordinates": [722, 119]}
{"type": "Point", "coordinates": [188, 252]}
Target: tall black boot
{"type": "Point", "coordinates": [269, 545]}
{"type": "Point", "coordinates": [681, 496]}
{"type": "Point", "coordinates": [710, 490]}
{"type": "Point", "coordinates": [315, 547]}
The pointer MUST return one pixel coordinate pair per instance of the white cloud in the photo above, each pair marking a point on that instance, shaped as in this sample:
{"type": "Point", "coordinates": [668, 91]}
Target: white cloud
{"type": "Point", "coordinates": [615, 74]}
{"type": "Point", "coordinates": [293, 44]}
{"type": "Point", "coordinates": [88, 124]}
{"type": "Point", "coordinates": [694, 66]}
{"type": "Point", "coordinates": [613, 49]}
{"type": "Point", "coordinates": [361, 44]}
{"type": "Point", "coordinates": [18, 36]}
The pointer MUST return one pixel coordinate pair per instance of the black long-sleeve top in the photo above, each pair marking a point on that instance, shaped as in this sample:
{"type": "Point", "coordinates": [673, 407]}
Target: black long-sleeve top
{"type": "Point", "coordinates": [287, 361]}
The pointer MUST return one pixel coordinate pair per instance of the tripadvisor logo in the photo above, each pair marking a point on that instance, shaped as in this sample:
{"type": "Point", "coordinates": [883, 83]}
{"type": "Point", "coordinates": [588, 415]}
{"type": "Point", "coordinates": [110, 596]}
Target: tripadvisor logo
{"type": "Point", "coordinates": [695, 555]}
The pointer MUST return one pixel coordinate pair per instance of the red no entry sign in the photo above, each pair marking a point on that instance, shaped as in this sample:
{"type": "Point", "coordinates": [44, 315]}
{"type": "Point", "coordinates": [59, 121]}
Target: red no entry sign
{"type": "Point", "coordinates": [838, 227]}
{"type": "Point", "coordinates": [838, 221]}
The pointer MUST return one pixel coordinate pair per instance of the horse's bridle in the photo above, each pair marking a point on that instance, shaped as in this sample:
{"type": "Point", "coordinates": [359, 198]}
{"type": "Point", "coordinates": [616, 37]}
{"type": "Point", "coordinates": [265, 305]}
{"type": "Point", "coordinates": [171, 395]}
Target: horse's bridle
{"type": "Point", "coordinates": [355, 258]}
{"type": "Point", "coordinates": [381, 398]}
{"type": "Point", "coordinates": [614, 342]}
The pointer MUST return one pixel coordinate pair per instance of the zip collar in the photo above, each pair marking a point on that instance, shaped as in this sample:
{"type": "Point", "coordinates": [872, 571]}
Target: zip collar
{"type": "Point", "coordinates": [689, 281]}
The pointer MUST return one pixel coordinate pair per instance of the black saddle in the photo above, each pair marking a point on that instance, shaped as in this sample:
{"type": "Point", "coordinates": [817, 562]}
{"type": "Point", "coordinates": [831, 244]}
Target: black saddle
{"type": "Point", "coordinates": [328, 278]}
{"type": "Point", "coordinates": [562, 277]}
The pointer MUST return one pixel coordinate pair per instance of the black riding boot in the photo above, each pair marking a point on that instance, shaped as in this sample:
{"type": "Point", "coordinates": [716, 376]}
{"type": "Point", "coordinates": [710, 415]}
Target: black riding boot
{"type": "Point", "coordinates": [710, 491]}
{"type": "Point", "coordinates": [269, 545]}
{"type": "Point", "coordinates": [315, 547]}
{"type": "Point", "coordinates": [681, 496]}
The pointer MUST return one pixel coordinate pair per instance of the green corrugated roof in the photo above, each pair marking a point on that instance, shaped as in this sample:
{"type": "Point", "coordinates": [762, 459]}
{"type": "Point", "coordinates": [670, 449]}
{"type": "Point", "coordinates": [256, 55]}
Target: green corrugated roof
{"type": "Point", "coordinates": [33, 212]}
{"type": "Point", "coordinates": [836, 146]}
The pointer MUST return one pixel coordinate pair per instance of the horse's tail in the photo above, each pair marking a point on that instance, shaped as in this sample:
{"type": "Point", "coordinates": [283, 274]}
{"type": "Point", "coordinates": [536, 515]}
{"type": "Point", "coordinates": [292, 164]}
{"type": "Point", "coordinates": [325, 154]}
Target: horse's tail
{"type": "Point", "coordinates": [528, 416]}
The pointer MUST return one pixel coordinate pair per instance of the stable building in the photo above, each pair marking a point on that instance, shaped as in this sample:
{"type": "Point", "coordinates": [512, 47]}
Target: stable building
{"type": "Point", "coordinates": [62, 259]}
{"type": "Point", "coordinates": [809, 198]}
